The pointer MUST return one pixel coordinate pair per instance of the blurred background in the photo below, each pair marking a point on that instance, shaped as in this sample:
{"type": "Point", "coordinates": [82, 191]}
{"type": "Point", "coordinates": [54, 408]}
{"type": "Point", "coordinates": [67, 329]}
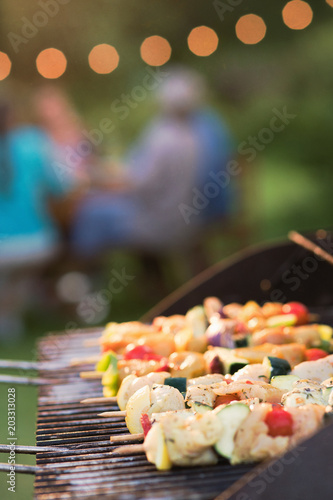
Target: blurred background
{"type": "Point", "coordinates": [86, 74]}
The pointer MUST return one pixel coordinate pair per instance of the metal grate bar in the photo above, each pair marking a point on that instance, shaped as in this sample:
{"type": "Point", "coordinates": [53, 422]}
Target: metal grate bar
{"type": "Point", "coordinates": [87, 469]}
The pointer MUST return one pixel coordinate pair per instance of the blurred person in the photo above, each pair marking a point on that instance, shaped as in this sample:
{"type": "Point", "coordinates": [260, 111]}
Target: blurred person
{"type": "Point", "coordinates": [29, 237]}
{"type": "Point", "coordinates": [56, 115]}
{"type": "Point", "coordinates": [162, 173]}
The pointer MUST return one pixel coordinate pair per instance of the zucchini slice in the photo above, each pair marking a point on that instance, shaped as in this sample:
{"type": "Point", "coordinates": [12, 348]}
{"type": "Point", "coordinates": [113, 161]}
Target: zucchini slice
{"type": "Point", "coordinates": [200, 407]}
{"type": "Point", "coordinates": [284, 382]}
{"type": "Point", "coordinates": [231, 416]}
{"type": "Point", "coordinates": [277, 366]}
{"type": "Point", "coordinates": [177, 382]}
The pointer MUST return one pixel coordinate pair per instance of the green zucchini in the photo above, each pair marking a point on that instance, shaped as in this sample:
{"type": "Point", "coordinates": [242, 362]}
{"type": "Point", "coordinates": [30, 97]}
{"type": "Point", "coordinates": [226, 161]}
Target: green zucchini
{"type": "Point", "coordinates": [276, 366]}
{"type": "Point", "coordinates": [232, 364]}
{"type": "Point", "coordinates": [327, 392]}
{"type": "Point", "coordinates": [231, 416]}
{"type": "Point", "coordinates": [201, 407]}
{"type": "Point", "coordinates": [284, 382]}
{"type": "Point", "coordinates": [177, 382]}
{"type": "Point", "coordinates": [241, 340]}
{"type": "Point", "coordinates": [282, 320]}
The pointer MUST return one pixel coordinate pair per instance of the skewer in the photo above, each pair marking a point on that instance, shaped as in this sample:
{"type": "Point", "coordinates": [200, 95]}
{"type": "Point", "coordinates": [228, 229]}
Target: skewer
{"type": "Point", "coordinates": [126, 437]}
{"type": "Point", "coordinates": [30, 450]}
{"type": "Point", "coordinates": [102, 400]}
{"type": "Point", "coordinates": [129, 449]}
{"type": "Point", "coordinates": [10, 379]}
{"type": "Point", "coordinates": [31, 365]}
{"type": "Point", "coordinates": [91, 375]}
{"type": "Point", "coordinates": [92, 342]}
{"type": "Point", "coordinates": [119, 413]}
{"type": "Point", "coordinates": [85, 361]}
{"type": "Point", "coordinates": [309, 245]}
{"type": "Point", "coordinates": [24, 469]}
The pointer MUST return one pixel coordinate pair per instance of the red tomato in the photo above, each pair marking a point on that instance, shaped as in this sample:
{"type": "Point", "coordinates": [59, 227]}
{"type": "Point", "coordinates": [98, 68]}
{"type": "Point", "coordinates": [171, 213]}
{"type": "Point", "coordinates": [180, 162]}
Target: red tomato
{"type": "Point", "coordinates": [145, 422]}
{"type": "Point", "coordinates": [164, 366]}
{"type": "Point", "coordinates": [299, 309]}
{"type": "Point", "coordinates": [314, 354]}
{"type": "Point", "coordinates": [225, 399]}
{"type": "Point", "coordinates": [279, 422]}
{"type": "Point", "coordinates": [109, 346]}
{"type": "Point", "coordinates": [140, 352]}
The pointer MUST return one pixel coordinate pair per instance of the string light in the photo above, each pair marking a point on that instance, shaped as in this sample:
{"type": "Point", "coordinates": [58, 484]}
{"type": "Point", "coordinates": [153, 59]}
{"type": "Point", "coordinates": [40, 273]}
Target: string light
{"type": "Point", "coordinates": [202, 41]}
{"type": "Point", "coordinates": [297, 14]}
{"type": "Point", "coordinates": [51, 63]}
{"type": "Point", "coordinates": [5, 65]}
{"type": "Point", "coordinates": [103, 59]}
{"type": "Point", "coordinates": [155, 50]}
{"type": "Point", "coordinates": [250, 29]}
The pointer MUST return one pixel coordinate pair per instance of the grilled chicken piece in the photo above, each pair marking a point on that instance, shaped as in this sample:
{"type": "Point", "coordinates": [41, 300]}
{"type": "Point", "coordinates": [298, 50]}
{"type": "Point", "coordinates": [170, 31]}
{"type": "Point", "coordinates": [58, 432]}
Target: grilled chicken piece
{"type": "Point", "coordinates": [164, 398]}
{"type": "Point", "coordinates": [189, 440]}
{"type": "Point", "coordinates": [304, 392]}
{"type": "Point", "coordinates": [318, 370]}
{"type": "Point", "coordinates": [132, 383]}
{"type": "Point", "coordinates": [306, 421]}
{"type": "Point", "coordinates": [252, 442]}
{"type": "Point", "coordinates": [248, 390]}
{"type": "Point", "coordinates": [255, 372]}
{"type": "Point", "coordinates": [200, 393]}
{"type": "Point", "coordinates": [211, 378]}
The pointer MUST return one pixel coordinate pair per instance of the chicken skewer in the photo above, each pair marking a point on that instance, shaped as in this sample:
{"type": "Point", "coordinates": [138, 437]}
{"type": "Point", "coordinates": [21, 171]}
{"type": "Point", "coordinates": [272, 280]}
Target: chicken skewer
{"type": "Point", "coordinates": [202, 397]}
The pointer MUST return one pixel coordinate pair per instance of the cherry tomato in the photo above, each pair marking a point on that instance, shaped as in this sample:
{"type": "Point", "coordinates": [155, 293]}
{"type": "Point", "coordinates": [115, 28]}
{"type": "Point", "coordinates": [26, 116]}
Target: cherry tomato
{"type": "Point", "coordinates": [225, 399]}
{"type": "Point", "coordinates": [106, 347]}
{"type": "Point", "coordinates": [145, 422]}
{"type": "Point", "coordinates": [279, 422]}
{"type": "Point", "coordinates": [299, 309]}
{"type": "Point", "coordinates": [164, 366]}
{"type": "Point", "coordinates": [314, 354]}
{"type": "Point", "coordinates": [140, 352]}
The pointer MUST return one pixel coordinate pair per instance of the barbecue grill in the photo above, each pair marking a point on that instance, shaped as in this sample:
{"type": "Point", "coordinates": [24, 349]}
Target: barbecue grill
{"type": "Point", "coordinates": [87, 469]}
{"type": "Point", "coordinates": [77, 459]}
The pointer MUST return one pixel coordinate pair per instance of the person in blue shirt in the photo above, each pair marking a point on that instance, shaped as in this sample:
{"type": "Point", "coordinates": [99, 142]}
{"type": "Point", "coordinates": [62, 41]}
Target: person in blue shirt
{"type": "Point", "coordinates": [28, 235]}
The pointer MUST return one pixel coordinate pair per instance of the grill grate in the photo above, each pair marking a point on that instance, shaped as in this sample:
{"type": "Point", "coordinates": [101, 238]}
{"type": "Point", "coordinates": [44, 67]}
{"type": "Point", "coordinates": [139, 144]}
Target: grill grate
{"type": "Point", "coordinates": [87, 469]}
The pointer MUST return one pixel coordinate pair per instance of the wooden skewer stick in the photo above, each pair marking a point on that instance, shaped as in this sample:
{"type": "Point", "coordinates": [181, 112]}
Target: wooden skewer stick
{"type": "Point", "coordinates": [30, 450]}
{"type": "Point", "coordinates": [129, 449]}
{"type": "Point", "coordinates": [101, 400]}
{"type": "Point", "coordinates": [127, 437]}
{"type": "Point", "coordinates": [23, 469]}
{"type": "Point", "coordinates": [92, 342]}
{"type": "Point", "coordinates": [85, 361]}
{"type": "Point", "coordinates": [113, 414]}
{"type": "Point", "coordinates": [309, 245]}
{"type": "Point", "coordinates": [9, 379]}
{"type": "Point", "coordinates": [14, 364]}
{"type": "Point", "coordinates": [91, 375]}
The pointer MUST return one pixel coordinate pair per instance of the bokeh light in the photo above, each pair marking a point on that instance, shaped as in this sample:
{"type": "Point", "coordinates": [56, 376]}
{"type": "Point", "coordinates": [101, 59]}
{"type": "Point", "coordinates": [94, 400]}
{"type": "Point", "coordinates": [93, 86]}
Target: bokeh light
{"type": "Point", "coordinates": [297, 14]}
{"type": "Point", "coordinates": [103, 59]}
{"type": "Point", "coordinates": [155, 50]}
{"type": "Point", "coordinates": [250, 29]}
{"type": "Point", "coordinates": [5, 65]}
{"type": "Point", "coordinates": [202, 41]}
{"type": "Point", "coordinates": [51, 63]}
